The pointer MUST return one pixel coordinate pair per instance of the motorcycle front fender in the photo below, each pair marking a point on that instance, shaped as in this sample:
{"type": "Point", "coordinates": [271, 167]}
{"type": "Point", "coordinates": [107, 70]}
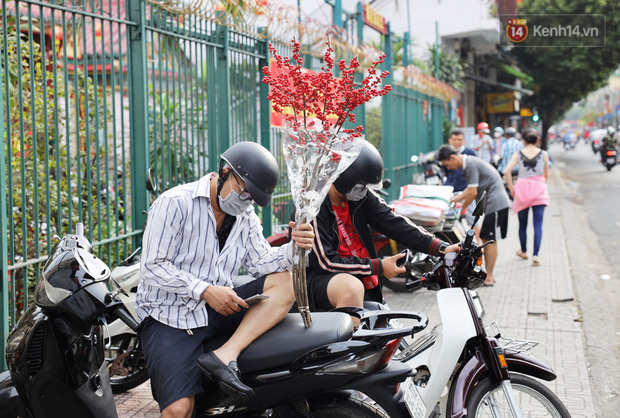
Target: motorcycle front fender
{"type": "Point", "coordinates": [475, 368]}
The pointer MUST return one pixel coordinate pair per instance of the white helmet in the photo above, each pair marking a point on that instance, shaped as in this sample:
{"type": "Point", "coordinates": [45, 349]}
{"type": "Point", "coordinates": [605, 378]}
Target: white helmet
{"type": "Point", "coordinates": [611, 130]}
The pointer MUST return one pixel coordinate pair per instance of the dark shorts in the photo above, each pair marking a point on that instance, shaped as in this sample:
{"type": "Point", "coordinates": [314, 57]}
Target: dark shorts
{"type": "Point", "coordinates": [495, 225]}
{"type": "Point", "coordinates": [317, 290]}
{"type": "Point", "coordinates": [171, 353]}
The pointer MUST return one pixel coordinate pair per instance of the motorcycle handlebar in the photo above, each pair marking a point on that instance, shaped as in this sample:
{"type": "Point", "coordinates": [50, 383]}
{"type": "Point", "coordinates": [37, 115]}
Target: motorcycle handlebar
{"type": "Point", "coordinates": [126, 317]}
{"type": "Point", "coordinates": [469, 238]}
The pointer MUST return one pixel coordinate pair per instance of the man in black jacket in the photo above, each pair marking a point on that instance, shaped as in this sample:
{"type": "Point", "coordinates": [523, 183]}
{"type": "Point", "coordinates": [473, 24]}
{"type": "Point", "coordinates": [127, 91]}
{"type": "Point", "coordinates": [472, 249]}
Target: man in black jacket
{"type": "Point", "coordinates": [344, 267]}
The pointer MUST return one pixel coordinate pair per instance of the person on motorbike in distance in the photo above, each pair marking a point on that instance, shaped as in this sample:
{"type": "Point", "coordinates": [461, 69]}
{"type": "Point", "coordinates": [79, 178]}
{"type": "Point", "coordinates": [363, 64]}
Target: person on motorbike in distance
{"type": "Point", "coordinates": [198, 236]}
{"type": "Point", "coordinates": [344, 267]}
{"type": "Point", "coordinates": [609, 142]}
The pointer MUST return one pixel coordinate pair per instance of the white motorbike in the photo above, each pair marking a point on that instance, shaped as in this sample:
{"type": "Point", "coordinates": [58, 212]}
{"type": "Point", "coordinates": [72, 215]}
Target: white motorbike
{"type": "Point", "coordinates": [462, 369]}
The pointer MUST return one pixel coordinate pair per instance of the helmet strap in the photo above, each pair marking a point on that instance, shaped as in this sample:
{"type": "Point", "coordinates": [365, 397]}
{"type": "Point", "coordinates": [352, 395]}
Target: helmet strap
{"type": "Point", "coordinates": [221, 180]}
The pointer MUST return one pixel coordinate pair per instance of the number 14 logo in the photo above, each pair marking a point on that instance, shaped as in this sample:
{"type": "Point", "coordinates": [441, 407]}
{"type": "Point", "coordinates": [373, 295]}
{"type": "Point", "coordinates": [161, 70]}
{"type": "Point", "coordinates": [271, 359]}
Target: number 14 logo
{"type": "Point", "coordinates": [516, 30]}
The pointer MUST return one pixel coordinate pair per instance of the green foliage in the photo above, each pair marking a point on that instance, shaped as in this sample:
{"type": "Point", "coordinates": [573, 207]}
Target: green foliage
{"type": "Point", "coordinates": [177, 121]}
{"type": "Point", "coordinates": [451, 67]}
{"type": "Point", "coordinates": [563, 75]}
{"type": "Point", "coordinates": [448, 127]}
{"type": "Point", "coordinates": [56, 169]}
{"type": "Point", "coordinates": [373, 126]}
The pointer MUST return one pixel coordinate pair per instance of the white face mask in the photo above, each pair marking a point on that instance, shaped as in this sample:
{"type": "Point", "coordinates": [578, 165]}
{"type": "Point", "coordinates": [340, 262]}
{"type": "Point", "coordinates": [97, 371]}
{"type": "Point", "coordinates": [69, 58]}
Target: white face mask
{"type": "Point", "coordinates": [357, 193]}
{"type": "Point", "coordinates": [232, 204]}
{"type": "Point", "coordinates": [497, 135]}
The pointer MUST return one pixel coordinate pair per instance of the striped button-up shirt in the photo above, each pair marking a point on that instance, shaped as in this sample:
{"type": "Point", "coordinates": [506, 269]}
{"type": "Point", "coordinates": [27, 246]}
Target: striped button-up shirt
{"type": "Point", "coordinates": [181, 255]}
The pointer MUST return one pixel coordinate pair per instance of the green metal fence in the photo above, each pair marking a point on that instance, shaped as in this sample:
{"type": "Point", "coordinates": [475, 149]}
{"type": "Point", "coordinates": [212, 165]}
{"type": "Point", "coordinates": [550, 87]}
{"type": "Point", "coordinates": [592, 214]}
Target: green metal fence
{"type": "Point", "coordinates": [94, 92]}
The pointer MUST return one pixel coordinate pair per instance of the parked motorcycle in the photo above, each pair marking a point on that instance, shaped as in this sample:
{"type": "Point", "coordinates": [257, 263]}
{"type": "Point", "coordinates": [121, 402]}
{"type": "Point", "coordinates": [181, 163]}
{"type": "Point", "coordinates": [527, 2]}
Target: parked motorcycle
{"type": "Point", "coordinates": [55, 353]}
{"type": "Point", "coordinates": [57, 367]}
{"type": "Point", "coordinates": [432, 173]}
{"type": "Point", "coordinates": [485, 373]}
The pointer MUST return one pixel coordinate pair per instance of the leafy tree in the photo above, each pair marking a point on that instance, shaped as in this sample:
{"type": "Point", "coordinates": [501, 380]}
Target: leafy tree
{"type": "Point", "coordinates": [451, 67]}
{"type": "Point", "coordinates": [564, 75]}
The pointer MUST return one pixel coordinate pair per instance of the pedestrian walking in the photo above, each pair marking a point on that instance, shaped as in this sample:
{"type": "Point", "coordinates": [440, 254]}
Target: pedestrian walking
{"type": "Point", "coordinates": [530, 191]}
{"type": "Point", "coordinates": [481, 177]}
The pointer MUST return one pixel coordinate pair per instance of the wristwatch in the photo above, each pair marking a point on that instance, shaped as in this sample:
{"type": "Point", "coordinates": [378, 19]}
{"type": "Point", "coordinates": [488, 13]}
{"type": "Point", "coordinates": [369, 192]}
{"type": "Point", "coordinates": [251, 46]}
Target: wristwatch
{"type": "Point", "coordinates": [442, 247]}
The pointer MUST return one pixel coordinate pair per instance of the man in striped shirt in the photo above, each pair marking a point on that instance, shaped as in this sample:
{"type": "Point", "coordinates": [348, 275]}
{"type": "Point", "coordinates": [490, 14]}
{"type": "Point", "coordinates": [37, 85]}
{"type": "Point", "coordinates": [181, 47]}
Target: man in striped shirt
{"type": "Point", "coordinates": [197, 237]}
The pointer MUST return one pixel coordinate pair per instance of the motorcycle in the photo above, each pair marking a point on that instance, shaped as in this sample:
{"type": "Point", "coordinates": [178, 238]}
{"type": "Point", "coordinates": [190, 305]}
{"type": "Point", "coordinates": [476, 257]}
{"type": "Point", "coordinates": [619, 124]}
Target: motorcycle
{"type": "Point", "coordinates": [444, 224]}
{"type": "Point", "coordinates": [611, 158]}
{"type": "Point", "coordinates": [432, 174]}
{"type": "Point", "coordinates": [485, 374]}
{"type": "Point", "coordinates": [57, 367]}
{"type": "Point", "coordinates": [55, 353]}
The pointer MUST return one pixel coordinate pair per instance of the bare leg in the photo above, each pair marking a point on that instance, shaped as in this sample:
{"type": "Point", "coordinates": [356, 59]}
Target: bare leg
{"type": "Point", "coordinates": [182, 408]}
{"type": "Point", "coordinates": [261, 317]}
{"type": "Point", "coordinates": [490, 256]}
{"type": "Point", "coordinates": [346, 290]}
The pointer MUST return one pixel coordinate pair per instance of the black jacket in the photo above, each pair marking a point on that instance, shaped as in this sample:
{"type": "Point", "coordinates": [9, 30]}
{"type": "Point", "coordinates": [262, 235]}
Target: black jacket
{"type": "Point", "coordinates": [374, 212]}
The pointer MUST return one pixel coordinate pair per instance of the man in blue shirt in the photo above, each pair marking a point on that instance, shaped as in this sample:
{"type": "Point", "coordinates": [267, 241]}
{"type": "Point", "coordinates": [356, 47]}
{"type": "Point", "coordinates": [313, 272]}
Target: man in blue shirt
{"type": "Point", "coordinates": [455, 178]}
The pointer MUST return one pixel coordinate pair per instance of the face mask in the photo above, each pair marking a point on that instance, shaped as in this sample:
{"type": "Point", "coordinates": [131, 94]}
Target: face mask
{"type": "Point", "coordinates": [357, 193]}
{"type": "Point", "coordinates": [232, 204]}
{"type": "Point", "coordinates": [497, 135]}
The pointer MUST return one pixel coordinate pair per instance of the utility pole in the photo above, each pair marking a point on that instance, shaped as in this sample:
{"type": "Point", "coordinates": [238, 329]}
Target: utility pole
{"type": "Point", "coordinates": [437, 50]}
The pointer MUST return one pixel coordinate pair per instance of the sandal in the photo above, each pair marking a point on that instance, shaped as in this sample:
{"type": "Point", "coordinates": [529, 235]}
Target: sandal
{"type": "Point", "coordinates": [535, 261]}
{"type": "Point", "coordinates": [522, 254]}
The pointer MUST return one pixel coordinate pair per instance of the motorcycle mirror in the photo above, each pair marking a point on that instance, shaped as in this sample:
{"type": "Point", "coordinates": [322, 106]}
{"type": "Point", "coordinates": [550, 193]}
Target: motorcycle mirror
{"type": "Point", "coordinates": [479, 210]}
{"type": "Point", "coordinates": [151, 186]}
{"type": "Point", "coordinates": [414, 158]}
{"type": "Point", "coordinates": [386, 183]}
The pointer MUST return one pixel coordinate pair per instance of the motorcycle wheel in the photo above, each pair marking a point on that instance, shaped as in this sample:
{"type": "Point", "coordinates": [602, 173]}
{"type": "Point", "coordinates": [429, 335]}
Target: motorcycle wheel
{"type": "Point", "coordinates": [398, 283]}
{"type": "Point", "coordinates": [126, 363]}
{"type": "Point", "coordinates": [353, 407]}
{"type": "Point", "coordinates": [534, 398]}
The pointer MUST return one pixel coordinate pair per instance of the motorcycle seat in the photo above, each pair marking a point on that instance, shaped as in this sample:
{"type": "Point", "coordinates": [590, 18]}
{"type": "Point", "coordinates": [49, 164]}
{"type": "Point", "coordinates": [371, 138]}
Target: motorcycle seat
{"type": "Point", "coordinates": [288, 340]}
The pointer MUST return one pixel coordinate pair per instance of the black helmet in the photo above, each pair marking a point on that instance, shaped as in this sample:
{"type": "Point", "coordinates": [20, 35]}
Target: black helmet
{"type": "Point", "coordinates": [366, 169]}
{"type": "Point", "coordinates": [256, 166]}
{"type": "Point", "coordinates": [511, 131]}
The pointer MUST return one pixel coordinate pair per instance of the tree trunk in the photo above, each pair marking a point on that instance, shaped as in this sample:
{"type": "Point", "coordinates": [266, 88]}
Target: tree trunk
{"type": "Point", "coordinates": [546, 124]}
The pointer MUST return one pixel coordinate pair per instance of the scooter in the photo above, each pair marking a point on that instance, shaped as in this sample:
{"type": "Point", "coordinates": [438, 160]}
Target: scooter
{"type": "Point", "coordinates": [432, 174]}
{"type": "Point", "coordinates": [484, 373]}
{"type": "Point", "coordinates": [611, 158]}
{"type": "Point", "coordinates": [55, 354]}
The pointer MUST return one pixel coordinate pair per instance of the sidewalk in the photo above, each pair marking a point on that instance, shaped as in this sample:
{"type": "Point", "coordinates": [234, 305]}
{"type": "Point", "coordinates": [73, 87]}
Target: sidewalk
{"type": "Point", "coordinates": [527, 302]}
